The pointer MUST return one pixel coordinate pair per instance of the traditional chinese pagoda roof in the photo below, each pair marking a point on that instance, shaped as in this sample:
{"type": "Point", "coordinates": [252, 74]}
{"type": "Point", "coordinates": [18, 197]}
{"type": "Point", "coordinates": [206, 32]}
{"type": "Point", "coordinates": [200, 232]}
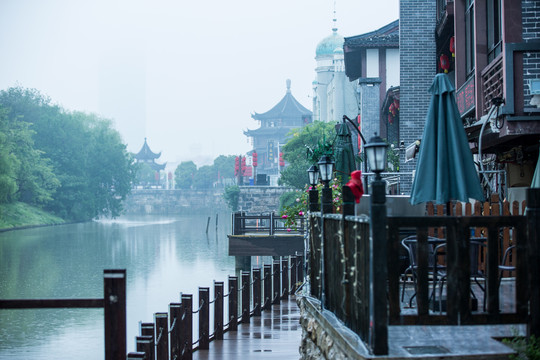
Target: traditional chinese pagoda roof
{"type": "Point", "coordinates": [146, 154]}
{"type": "Point", "coordinates": [288, 107]}
{"type": "Point", "coordinates": [386, 36]}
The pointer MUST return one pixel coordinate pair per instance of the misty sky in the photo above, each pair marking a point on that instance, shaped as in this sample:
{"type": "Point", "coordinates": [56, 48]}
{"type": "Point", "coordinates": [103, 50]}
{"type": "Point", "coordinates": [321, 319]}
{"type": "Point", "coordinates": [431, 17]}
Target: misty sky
{"type": "Point", "coordinates": [185, 74]}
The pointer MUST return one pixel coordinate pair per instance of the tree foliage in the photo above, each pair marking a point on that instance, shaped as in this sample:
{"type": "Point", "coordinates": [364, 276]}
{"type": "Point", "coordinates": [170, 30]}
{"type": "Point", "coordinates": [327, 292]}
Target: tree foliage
{"type": "Point", "coordinates": [303, 149]}
{"type": "Point", "coordinates": [184, 174]}
{"type": "Point", "coordinates": [78, 154]}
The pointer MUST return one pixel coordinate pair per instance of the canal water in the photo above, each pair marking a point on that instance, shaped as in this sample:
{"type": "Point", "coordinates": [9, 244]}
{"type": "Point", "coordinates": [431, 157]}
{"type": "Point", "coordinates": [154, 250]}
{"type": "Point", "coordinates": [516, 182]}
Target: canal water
{"type": "Point", "coordinates": [163, 256]}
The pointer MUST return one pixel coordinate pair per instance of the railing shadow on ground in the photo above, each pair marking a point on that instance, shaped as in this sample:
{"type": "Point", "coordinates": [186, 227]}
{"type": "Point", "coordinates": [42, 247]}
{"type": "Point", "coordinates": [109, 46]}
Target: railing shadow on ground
{"type": "Point", "coordinates": [170, 336]}
{"type": "Point", "coordinates": [342, 265]}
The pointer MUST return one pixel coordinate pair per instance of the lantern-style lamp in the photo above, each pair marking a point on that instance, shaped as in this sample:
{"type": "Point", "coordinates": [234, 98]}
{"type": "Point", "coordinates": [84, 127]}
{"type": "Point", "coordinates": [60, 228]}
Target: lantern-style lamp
{"type": "Point", "coordinates": [313, 173]}
{"type": "Point", "coordinates": [376, 154]}
{"type": "Point", "coordinates": [326, 168]}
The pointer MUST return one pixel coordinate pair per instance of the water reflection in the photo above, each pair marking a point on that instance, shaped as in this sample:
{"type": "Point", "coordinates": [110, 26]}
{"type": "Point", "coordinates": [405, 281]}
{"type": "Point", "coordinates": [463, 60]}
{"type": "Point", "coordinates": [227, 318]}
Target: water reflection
{"type": "Point", "coordinates": [162, 255]}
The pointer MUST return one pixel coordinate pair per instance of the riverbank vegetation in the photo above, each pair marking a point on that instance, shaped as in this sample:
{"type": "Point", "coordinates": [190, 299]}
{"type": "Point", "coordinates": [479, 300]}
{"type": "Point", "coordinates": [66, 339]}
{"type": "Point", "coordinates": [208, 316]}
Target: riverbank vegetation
{"type": "Point", "coordinates": [67, 163]}
{"type": "Point", "coordinates": [20, 215]}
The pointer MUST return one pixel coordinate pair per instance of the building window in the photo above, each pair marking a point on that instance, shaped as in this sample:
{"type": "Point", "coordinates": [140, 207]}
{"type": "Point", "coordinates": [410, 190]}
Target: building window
{"type": "Point", "coordinates": [494, 32]}
{"type": "Point", "coordinates": [469, 37]}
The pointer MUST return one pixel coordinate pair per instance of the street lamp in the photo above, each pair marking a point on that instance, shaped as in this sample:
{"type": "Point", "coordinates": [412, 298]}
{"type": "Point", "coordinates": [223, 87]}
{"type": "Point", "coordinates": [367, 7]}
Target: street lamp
{"type": "Point", "coordinates": [376, 153]}
{"type": "Point", "coordinates": [313, 174]}
{"type": "Point", "coordinates": [326, 170]}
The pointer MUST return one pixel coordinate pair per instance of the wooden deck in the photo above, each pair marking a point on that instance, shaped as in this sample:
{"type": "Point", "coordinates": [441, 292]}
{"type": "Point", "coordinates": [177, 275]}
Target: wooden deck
{"type": "Point", "coordinates": [276, 334]}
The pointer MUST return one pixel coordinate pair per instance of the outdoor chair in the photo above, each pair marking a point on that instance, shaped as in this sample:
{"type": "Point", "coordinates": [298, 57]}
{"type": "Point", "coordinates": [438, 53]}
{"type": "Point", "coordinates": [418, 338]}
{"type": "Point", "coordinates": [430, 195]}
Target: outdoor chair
{"type": "Point", "coordinates": [506, 259]}
{"type": "Point", "coordinates": [435, 271]}
{"type": "Point", "coordinates": [476, 250]}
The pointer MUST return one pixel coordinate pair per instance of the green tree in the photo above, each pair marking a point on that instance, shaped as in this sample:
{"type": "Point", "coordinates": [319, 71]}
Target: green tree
{"type": "Point", "coordinates": [86, 155]}
{"type": "Point", "coordinates": [205, 177]}
{"type": "Point", "coordinates": [232, 196]}
{"type": "Point", "coordinates": [184, 174]}
{"type": "Point", "coordinates": [303, 149]}
{"type": "Point", "coordinates": [224, 166]}
{"type": "Point", "coordinates": [26, 174]}
{"type": "Point", "coordinates": [145, 175]}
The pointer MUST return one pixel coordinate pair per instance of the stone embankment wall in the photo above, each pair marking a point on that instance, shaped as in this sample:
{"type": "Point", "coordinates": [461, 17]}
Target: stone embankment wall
{"type": "Point", "coordinates": [260, 199]}
{"type": "Point", "coordinates": [324, 337]}
{"type": "Point", "coordinates": [170, 202]}
{"type": "Point", "coordinates": [252, 199]}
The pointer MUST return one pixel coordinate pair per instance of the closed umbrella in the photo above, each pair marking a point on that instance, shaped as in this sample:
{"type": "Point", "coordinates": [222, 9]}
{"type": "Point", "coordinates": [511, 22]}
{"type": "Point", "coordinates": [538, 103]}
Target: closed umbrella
{"type": "Point", "coordinates": [445, 170]}
{"type": "Point", "coordinates": [344, 153]}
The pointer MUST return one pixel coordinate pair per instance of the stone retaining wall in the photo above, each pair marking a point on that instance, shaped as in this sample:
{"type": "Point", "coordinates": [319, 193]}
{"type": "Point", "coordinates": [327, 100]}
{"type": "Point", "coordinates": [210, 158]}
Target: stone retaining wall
{"type": "Point", "coordinates": [260, 199]}
{"type": "Point", "coordinates": [253, 199]}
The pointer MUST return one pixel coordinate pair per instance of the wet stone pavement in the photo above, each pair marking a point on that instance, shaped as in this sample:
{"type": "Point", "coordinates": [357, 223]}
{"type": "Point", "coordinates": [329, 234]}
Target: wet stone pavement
{"type": "Point", "coordinates": [277, 335]}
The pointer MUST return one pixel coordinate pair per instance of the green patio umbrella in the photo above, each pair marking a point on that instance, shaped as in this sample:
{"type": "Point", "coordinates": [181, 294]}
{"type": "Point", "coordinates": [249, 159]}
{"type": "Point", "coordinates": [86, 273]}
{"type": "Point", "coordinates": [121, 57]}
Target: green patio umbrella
{"type": "Point", "coordinates": [445, 170]}
{"type": "Point", "coordinates": [535, 183]}
{"type": "Point", "coordinates": [344, 153]}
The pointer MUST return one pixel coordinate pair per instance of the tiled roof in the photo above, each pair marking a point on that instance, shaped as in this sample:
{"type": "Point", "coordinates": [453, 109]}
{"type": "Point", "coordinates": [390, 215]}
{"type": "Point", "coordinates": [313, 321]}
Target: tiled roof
{"type": "Point", "coordinates": [386, 36]}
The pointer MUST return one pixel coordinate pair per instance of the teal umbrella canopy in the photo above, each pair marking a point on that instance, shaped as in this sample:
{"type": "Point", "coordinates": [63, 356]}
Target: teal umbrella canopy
{"type": "Point", "coordinates": [344, 153]}
{"type": "Point", "coordinates": [535, 183]}
{"type": "Point", "coordinates": [445, 170]}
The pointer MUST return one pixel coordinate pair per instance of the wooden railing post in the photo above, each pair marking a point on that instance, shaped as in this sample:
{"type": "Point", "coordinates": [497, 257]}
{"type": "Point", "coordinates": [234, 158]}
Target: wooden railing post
{"type": "Point", "coordinates": [162, 336]}
{"type": "Point", "coordinates": [533, 219]}
{"type": "Point", "coordinates": [147, 329]}
{"type": "Point", "coordinates": [276, 298]}
{"type": "Point", "coordinates": [175, 311]}
{"type": "Point", "coordinates": [272, 223]}
{"type": "Point", "coordinates": [267, 287]}
{"type": "Point", "coordinates": [186, 329]}
{"type": "Point", "coordinates": [300, 267]}
{"type": "Point", "coordinates": [136, 355]}
{"type": "Point", "coordinates": [256, 291]}
{"type": "Point", "coordinates": [115, 313]}
{"type": "Point", "coordinates": [145, 344]}
{"type": "Point", "coordinates": [294, 273]}
{"type": "Point", "coordinates": [246, 290]}
{"type": "Point", "coordinates": [233, 303]}
{"type": "Point", "coordinates": [204, 318]}
{"type": "Point", "coordinates": [284, 278]}
{"type": "Point", "coordinates": [218, 310]}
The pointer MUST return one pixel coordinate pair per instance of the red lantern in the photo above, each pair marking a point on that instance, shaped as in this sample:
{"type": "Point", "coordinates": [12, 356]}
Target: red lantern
{"type": "Point", "coordinates": [243, 166]}
{"type": "Point", "coordinates": [453, 46]}
{"type": "Point", "coordinates": [281, 161]}
{"type": "Point", "coordinates": [445, 63]}
{"type": "Point", "coordinates": [254, 159]}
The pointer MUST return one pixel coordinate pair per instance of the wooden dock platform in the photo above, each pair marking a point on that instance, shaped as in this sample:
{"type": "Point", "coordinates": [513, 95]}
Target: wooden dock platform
{"type": "Point", "coordinates": [276, 334]}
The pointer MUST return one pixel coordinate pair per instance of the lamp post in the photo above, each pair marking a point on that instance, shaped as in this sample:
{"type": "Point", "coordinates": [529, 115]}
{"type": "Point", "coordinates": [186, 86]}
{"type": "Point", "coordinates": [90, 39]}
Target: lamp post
{"type": "Point", "coordinates": [326, 170]}
{"type": "Point", "coordinates": [313, 173]}
{"type": "Point", "coordinates": [376, 154]}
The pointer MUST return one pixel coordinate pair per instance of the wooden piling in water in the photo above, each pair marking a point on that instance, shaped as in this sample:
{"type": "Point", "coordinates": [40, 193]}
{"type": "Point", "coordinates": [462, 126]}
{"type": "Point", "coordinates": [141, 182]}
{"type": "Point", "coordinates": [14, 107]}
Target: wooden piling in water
{"type": "Point", "coordinates": [276, 269]}
{"type": "Point", "coordinates": [284, 278]}
{"type": "Point", "coordinates": [186, 332]}
{"type": "Point", "coordinates": [175, 311]}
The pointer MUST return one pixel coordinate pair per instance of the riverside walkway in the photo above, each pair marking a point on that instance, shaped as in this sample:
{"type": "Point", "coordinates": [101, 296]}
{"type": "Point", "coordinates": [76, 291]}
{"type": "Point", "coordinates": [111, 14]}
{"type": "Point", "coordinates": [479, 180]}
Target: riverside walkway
{"type": "Point", "coordinates": [276, 334]}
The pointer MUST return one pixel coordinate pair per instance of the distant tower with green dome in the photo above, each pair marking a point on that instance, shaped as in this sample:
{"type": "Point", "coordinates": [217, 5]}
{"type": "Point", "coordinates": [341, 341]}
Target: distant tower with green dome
{"type": "Point", "coordinates": [333, 94]}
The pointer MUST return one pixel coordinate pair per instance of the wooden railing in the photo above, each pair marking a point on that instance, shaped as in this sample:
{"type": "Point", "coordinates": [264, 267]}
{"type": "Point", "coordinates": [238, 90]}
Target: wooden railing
{"type": "Point", "coordinates": [113, 303]}
{"type": "Point", "coordinates": [171, 334]}
{"type": "Point", "coordinates": [343, 265]}
{"type": "Point", "coordinates": [270, 224]}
